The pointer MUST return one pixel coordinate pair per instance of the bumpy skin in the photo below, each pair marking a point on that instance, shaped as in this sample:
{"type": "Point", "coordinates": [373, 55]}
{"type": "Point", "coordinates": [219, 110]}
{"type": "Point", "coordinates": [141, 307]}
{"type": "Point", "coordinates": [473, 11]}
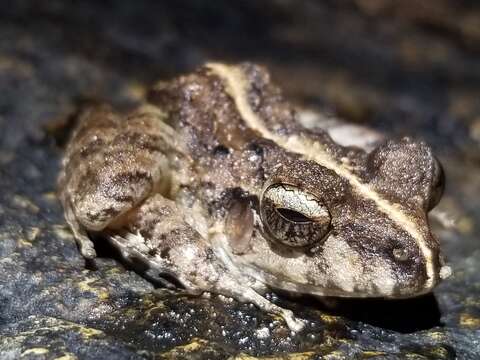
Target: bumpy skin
{"type": "Point", "coordinates": [179, 186]}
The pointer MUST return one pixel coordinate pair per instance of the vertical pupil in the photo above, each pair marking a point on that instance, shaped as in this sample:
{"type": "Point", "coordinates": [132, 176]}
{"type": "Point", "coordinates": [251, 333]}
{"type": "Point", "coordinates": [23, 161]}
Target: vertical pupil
{"type": "Point", "coordinates": [292, 215]}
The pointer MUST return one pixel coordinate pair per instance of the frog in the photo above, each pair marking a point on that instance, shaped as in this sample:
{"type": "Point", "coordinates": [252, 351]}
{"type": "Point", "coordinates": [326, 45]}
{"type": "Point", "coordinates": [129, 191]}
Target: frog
{"type": "Point", "coordinates": [216, 183]}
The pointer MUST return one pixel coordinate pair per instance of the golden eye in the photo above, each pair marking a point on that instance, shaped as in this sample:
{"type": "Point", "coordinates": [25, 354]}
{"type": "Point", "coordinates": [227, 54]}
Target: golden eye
{"type": "Point", "coordinates": [293, 217]}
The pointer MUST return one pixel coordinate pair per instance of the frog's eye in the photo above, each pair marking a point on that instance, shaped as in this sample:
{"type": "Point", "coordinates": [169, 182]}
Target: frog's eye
{"type": "Point", "coordinates": [292, 216]}
{"type": "Point", "coordinates": [438, 184]}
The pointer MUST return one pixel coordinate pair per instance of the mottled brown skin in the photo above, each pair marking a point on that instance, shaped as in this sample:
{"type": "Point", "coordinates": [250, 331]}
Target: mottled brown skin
{"type": "Point", "coordinates": [178, 186]}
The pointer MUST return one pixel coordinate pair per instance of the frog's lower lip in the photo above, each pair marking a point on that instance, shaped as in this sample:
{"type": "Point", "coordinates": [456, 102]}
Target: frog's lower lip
{"type": "Point", "coordinates": [320, 291]}
{"type": "Point", "coordinates": [397, 292]}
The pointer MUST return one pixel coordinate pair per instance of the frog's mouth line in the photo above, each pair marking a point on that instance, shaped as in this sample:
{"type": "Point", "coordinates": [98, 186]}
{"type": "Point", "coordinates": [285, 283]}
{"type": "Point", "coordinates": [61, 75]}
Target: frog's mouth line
{"type": "Point", "coordinates": [330, 290]}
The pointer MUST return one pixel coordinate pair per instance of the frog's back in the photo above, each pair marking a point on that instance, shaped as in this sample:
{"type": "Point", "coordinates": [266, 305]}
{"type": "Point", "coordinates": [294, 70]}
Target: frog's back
{"type": "Point", "coordinates": [211, 110]}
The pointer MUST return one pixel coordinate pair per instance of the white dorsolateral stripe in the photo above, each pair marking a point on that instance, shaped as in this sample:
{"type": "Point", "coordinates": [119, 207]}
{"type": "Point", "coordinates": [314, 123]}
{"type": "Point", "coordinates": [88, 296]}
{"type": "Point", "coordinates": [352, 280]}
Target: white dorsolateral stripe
{"type": "Point", "coordinates": [236, 86]}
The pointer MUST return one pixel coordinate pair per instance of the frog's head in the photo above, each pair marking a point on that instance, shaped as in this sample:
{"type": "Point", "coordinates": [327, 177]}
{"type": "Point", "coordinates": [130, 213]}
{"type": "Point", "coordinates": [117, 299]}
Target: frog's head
{"type": "Point", "coordinates": [357, 228]}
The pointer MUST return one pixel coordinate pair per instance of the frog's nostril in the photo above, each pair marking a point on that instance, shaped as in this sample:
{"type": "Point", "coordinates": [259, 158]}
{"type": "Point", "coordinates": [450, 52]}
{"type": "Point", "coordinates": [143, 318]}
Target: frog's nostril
{"type": "Point", "coordinates": [400, 254]}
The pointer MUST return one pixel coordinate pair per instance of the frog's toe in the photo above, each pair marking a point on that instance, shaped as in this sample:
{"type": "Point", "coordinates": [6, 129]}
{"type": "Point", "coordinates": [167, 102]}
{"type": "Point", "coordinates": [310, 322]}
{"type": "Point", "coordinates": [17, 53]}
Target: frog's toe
{"type": "Point", "coordinates": [85, 245]}
{"type": "Point", "coordinates": [294, 324]}
{"type": "Point", "coordinates": [88, 252]}
{"type": "Point", "coordinates": [86, 248]}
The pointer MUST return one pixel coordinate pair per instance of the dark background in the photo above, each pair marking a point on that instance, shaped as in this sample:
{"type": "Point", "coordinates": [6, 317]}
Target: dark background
{"type": "Point", "coordinates": [402, 67]}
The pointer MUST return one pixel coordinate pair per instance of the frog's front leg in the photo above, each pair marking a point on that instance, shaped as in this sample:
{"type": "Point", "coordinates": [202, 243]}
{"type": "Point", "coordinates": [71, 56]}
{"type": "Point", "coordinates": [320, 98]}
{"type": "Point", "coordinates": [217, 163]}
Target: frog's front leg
{"type": "Point", "coordinates": [111, 164]}
{"type": "Point", "coordinates": [158, 236]}
{"type": "Point", "coordinates": [242, 292]}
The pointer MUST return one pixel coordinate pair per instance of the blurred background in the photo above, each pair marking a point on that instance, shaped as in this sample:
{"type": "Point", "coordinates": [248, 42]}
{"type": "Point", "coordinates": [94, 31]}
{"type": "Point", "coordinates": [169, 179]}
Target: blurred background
{"type": "Point", "coordinates": [401, 67]}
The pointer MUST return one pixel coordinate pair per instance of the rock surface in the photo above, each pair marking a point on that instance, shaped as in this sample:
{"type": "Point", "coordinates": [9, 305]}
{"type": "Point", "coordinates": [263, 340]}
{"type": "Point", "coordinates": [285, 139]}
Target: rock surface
{"type": "Point", "coordinates": [397, 67]}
